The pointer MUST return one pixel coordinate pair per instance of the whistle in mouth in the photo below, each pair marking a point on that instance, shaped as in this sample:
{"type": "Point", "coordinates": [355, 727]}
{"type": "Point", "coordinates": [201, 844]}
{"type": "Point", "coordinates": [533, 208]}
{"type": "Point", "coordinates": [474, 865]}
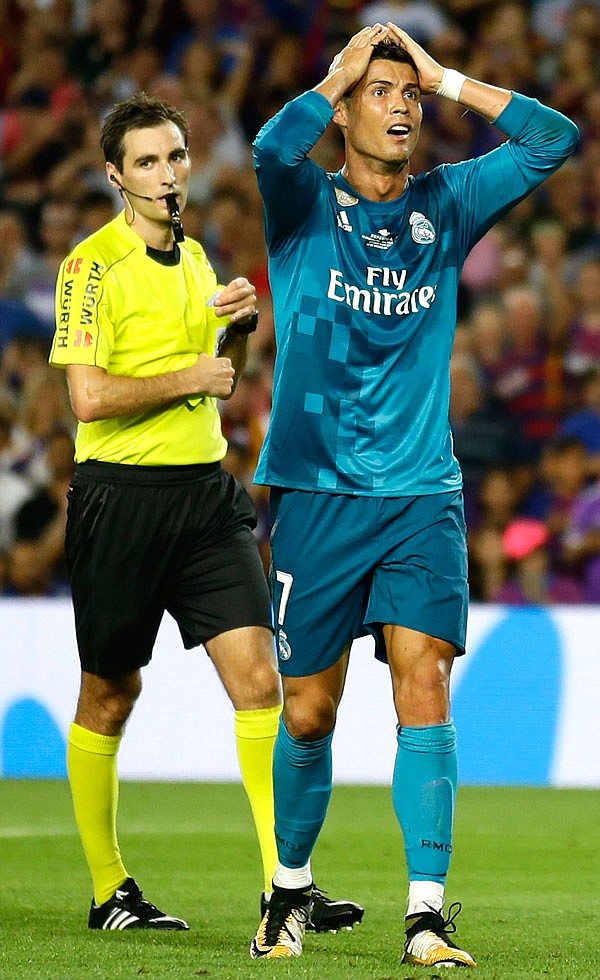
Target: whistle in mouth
{"type": "Point", "coordinates": [175, 217]}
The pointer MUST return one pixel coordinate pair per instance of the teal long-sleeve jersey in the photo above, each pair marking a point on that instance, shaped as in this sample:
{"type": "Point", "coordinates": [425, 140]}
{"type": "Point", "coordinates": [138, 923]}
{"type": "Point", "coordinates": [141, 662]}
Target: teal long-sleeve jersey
{"type": "Point", "coordinates": [364, 297]}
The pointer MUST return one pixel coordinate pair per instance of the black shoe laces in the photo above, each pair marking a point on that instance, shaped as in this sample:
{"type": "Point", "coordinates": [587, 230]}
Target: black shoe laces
{"type": "Point", "coordinates": [135, 902]}
{"type": "Point", "coordinates": [277, 914]}
{"type": "Point", "coordinates": [448, 924]}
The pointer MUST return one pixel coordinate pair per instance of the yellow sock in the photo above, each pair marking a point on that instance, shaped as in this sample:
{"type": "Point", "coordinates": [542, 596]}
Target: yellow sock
{"type": "Point", "coordinates": [92, 767]}
{"type": "Point", "coordinates": [255, 733]}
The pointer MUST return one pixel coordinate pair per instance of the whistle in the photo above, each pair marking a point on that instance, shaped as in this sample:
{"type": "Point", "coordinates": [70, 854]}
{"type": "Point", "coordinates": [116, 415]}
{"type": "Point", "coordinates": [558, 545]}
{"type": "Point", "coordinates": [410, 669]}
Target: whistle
{"type": "Point", "coordinates": [175, 217]}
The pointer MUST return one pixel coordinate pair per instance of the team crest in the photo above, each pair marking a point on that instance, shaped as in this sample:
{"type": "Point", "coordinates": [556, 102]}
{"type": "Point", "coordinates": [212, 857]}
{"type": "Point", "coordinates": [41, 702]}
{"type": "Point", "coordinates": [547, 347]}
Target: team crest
{"type": "Point", "coordinates": [285, 650]}
{"type": "Point", "coordinates": [422, 230]}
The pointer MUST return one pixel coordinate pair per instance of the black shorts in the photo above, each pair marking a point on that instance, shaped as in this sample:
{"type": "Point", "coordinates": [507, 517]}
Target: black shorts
{"type": "Point", "coordinates": [144, 539]}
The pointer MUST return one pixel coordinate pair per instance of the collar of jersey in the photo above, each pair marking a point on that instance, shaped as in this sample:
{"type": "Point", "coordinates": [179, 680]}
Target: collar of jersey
{"type": "Point", "coordinates": [376, 207]}
{"type": "Point", "coordinates": [128, 234]}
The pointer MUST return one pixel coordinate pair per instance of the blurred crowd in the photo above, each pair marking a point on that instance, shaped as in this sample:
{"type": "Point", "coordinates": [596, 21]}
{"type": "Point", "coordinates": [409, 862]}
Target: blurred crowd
{"type": "Point", "coordinates": [525, 406]}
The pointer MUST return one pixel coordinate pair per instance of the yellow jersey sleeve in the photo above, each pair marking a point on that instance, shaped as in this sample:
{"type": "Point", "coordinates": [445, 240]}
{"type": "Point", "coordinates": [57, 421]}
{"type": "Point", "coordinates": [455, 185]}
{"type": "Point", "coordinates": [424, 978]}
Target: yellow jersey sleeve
{"type": "Point", "coordinates": [84, 330]}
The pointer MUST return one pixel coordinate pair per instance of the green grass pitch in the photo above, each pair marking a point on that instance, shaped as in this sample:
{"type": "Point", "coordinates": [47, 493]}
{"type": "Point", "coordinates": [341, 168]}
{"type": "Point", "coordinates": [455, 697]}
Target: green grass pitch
{"type": "Point", "coordinates": [526, 868]}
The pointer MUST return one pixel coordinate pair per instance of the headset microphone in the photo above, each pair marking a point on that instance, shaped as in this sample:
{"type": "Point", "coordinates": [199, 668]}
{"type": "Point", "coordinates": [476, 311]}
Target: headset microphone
{"type": "Point", "coordinates": [172, 205]}
{"type": "Point", "coordinates": [127, 191]}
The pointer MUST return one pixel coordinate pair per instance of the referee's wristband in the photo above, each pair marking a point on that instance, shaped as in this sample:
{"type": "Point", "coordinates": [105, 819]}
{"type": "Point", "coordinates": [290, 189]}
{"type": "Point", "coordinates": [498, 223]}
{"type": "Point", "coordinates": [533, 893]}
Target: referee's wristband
{"type": "Point", "coordinates": [249, 325]}
{"type": "Point", "coordinates": [451, 84]}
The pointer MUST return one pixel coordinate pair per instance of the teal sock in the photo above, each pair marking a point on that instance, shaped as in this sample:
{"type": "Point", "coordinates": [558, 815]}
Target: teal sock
{"type": "Point", "coordinates": [424, 790]}
{"type": "Point", "coordinates": [302, 778]}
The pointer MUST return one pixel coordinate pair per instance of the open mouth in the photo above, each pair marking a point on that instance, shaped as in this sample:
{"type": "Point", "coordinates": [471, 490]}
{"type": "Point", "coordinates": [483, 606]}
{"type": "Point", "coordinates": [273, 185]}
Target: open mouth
{"type": "Point", "coordinates": [399, 130]}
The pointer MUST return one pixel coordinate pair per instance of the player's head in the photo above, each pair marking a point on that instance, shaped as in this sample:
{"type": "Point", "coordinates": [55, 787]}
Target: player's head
{"type": "Point", "coordinates": [381, 116]}
{"type": "Point", "coordinates": [141, 111]}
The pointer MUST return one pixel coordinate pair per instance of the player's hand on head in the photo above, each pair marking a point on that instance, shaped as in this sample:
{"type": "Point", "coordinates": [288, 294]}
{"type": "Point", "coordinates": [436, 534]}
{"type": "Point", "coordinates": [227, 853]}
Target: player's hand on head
{"type": "Point", "coordinates": [354, 59]}
{"type": "Point", "coordinates": [236, 300]}
{"type": "Point", "coordinates": [213, 376]}
{"type": "Point", "coordinates": [430, 71]}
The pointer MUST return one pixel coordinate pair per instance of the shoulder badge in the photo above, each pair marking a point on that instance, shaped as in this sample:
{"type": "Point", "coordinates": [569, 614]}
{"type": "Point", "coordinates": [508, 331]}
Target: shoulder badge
{"type": "Point", "coordinates": [345, 199]}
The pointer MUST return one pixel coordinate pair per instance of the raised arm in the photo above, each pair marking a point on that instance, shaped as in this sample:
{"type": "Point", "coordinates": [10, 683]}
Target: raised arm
{"type": "Point", "coordinates": [487, 100]}
{"type": "Point", "coordinates": [540, 140]}
{"type": "Point", "coordinates": [350, 64]}
{"type": "Point", "coordinates": [288, 180]}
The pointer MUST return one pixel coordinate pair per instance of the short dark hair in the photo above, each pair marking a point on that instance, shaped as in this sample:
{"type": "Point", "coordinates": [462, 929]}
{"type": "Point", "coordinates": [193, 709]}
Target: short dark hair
{"type": "Point", "coordinates": [390, 51]}
{"type": "Point", "coordinates": [141, 111]}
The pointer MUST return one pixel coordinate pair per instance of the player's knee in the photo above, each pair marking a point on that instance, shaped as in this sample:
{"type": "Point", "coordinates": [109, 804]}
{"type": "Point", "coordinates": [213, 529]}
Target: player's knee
{"type": "Point", "coordinates": [422, 698]}
{"type": "Point", "coordinates": [309, 719]}
{"type": "Point", "coordinates": [421, 686]}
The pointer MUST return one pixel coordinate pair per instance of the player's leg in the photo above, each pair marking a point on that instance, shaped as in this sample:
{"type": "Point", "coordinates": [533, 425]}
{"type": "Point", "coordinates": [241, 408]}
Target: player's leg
{"type": "Point", "coordinates": [422, 581]}
{"type": "Point", "coordinates": [302, 774]}
{"type": "Point", "coordinates": [303, 768]}
{"type": "Point", "coordinates": [424, 785]}
{"type": "Point", "coordinates": [424, 788]}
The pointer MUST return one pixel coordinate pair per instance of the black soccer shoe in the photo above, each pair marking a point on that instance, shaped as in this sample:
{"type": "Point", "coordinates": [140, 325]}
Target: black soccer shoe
{"type": "Point", "coordinates": [128, 909]}
{"type": "Point", "coordinates": [327, 915]}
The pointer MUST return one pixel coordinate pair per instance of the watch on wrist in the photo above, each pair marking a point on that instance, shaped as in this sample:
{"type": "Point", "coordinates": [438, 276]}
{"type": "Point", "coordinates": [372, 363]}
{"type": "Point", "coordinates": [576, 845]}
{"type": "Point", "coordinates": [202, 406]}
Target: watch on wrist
{"type": "Point", "coordinates": [248, 326]}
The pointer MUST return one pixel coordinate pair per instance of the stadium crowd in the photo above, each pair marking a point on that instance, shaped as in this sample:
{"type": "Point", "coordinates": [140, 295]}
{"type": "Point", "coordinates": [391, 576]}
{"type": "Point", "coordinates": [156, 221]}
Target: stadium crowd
{"type": "Point", "coordinates": [525, 405]}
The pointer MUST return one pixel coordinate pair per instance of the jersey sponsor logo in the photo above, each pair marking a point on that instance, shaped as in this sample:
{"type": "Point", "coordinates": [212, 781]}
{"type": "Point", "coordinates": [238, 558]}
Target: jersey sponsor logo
{"type": "Point", "coordinates": [421, 229]}
{"type": "Point", "coordinates": [74, 266]}
{"type": "Point", "coordinates": [382, 239]}
{"type": "Point", "coordinates": [371, 298]}
{"type": "Point", "coordinates": [345, 199]}
{"type": "Point", "coordinates": [343, 223]}
{"type": "Point", "coordinates": [285, 650]}
{"type": "Point", "coordinates": [66, 297]}
{"type": "Point", "coordinates": [90, 298]}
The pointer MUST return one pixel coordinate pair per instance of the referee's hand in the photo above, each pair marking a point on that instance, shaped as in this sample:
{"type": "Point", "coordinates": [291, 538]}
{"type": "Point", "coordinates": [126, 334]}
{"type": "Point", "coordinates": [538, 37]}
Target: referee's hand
{"type": "Point", "coordinates": [212, 376]}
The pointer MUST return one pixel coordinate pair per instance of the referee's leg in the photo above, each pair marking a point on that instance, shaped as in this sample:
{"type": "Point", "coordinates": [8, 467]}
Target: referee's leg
{"type": "Point", "coordinates": [245, 662]}
{"type": "Point", "coordinates": [103, 707]}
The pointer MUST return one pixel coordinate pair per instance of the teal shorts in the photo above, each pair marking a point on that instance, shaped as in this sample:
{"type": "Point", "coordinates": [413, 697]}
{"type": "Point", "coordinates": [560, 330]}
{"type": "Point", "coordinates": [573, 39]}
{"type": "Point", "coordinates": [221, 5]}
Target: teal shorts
{"type": "Point", "coordinates": [345, 566]}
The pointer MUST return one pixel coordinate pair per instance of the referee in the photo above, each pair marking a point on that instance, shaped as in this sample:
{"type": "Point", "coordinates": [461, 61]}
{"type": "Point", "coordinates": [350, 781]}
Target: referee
{"type": "Point", "coordinates": [154, 522]}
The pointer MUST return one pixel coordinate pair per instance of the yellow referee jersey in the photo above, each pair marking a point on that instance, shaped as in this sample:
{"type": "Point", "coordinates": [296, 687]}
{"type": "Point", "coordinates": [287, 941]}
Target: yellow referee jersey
{"type": "Point", "coordinates": [119, 309]}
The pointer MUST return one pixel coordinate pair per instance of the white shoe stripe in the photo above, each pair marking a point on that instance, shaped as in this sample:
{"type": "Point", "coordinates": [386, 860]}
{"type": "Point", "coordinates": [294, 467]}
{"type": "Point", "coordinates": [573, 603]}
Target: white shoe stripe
{"type": "Point", "coordinates": [119, 919]}
{"type": "Point", "coordinates": [127, 921]}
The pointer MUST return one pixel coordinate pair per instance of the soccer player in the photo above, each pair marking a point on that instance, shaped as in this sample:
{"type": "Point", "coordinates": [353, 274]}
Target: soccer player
{"type": "Point", "coordinates": [154, 522]}
{"type": "Point", "coordinates": [369, 534]}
